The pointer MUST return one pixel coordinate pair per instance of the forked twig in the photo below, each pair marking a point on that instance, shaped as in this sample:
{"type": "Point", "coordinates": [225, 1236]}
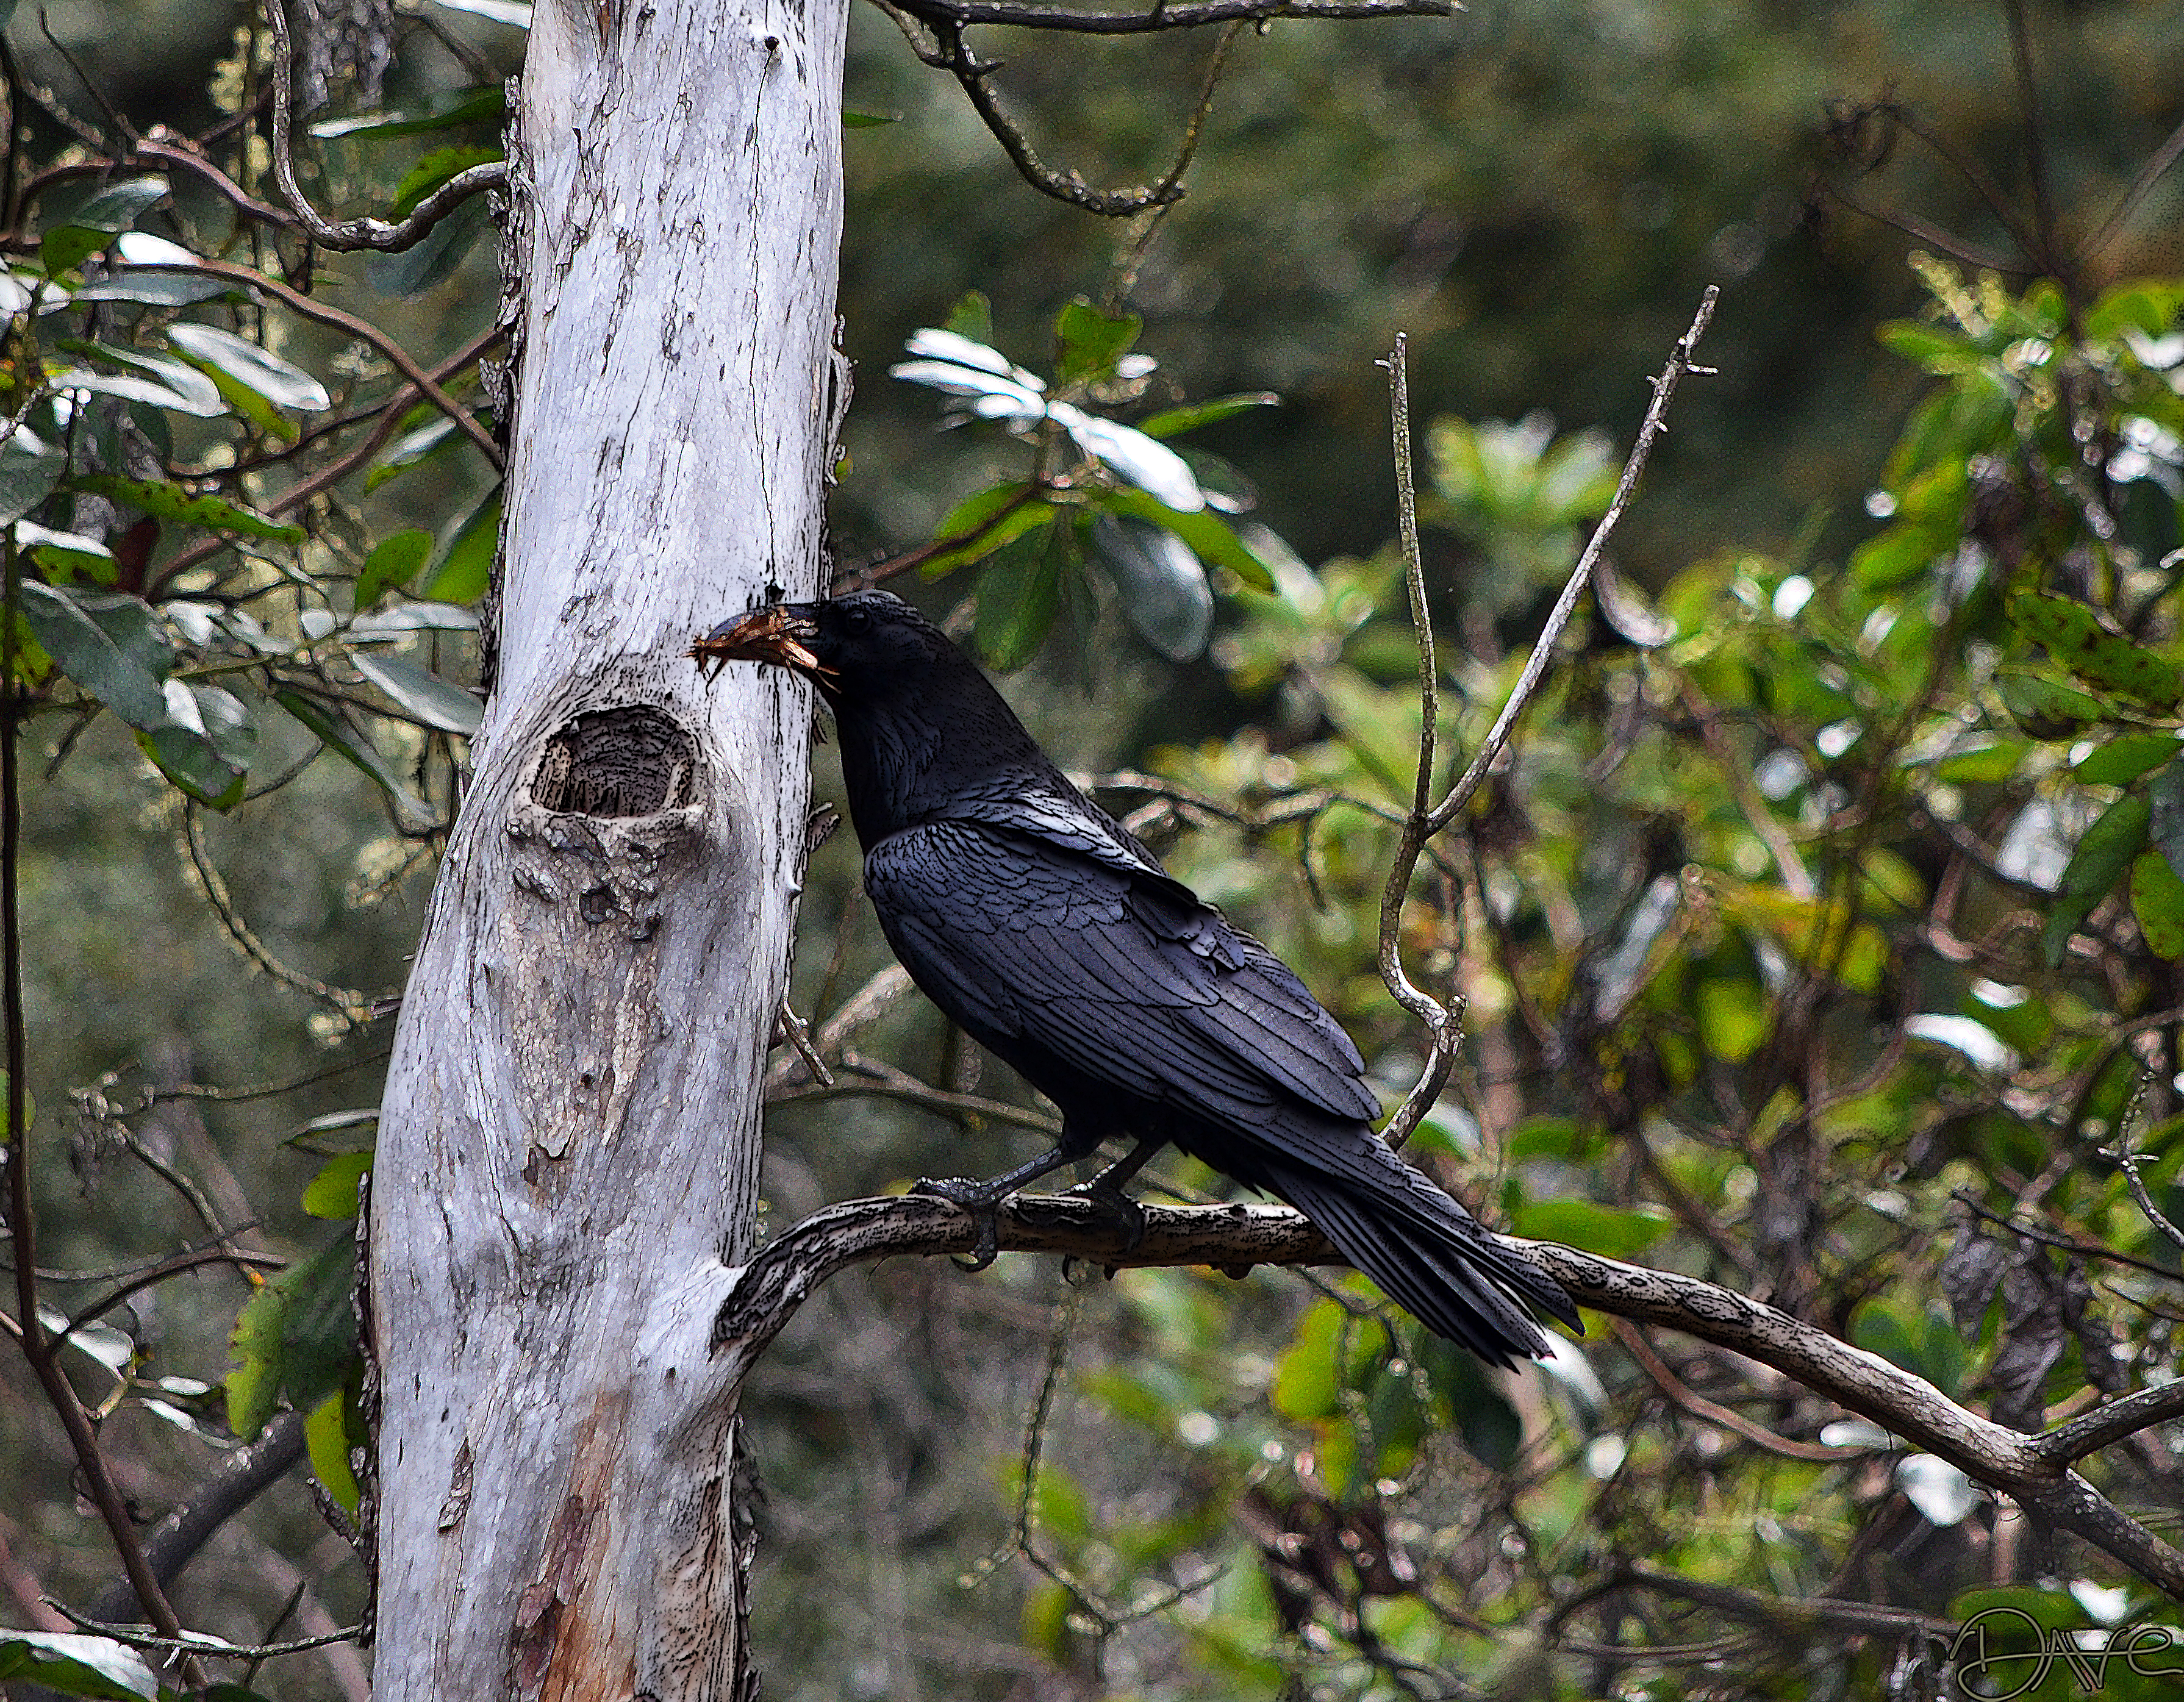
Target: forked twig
{"type": "Point", "coordinates": [1427, 819]}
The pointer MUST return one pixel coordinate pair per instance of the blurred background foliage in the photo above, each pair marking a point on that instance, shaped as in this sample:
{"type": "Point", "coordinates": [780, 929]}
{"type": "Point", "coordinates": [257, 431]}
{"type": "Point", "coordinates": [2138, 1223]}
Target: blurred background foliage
{"type": "Point", "coordinates": [1818, 934]}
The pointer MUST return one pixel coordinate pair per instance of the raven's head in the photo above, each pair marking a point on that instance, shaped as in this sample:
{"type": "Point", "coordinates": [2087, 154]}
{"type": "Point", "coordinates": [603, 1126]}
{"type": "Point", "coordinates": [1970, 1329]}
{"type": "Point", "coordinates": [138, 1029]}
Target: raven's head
{"type": "Point", "coordinates": [849, 647]}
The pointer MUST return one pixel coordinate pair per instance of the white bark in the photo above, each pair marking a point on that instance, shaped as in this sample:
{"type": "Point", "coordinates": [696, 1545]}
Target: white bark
{"type": "Point", "coordinates": [568, 1155]}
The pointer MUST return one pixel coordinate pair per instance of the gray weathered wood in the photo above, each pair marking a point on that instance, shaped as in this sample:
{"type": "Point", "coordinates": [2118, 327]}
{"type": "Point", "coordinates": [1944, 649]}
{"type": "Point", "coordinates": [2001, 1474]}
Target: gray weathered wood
{"type": "Point", "coordinates": [568, 1157]}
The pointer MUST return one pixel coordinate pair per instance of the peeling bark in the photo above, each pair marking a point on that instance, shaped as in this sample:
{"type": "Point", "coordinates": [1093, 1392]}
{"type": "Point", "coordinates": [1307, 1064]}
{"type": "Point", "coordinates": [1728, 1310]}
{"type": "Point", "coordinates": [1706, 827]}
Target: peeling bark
{"type": "Point", "coordinates": [568, 1154]}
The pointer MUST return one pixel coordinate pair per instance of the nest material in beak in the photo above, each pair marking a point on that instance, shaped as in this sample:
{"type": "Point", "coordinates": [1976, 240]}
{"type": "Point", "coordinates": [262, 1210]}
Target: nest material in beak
{"type": "Point", "coordinates": [772, 634]}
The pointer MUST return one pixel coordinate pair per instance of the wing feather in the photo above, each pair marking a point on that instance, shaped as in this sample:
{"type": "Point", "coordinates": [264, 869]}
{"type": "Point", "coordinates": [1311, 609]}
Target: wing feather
{"type": "Point", "coordinates": [1101, 962]}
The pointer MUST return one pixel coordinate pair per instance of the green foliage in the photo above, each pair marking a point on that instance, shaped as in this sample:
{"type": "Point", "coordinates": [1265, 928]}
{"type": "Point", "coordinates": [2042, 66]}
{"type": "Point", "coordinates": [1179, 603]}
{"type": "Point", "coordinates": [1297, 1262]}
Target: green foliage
{"type": "Point", "coordinates": [1096, 490]}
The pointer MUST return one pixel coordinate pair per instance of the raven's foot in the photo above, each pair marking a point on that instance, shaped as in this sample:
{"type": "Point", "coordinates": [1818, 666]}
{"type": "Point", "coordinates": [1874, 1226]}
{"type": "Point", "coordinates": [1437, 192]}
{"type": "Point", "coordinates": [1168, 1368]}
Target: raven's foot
{"type": "Point", "coordinates": [982, 1202]}
{"type": "Point", "coordinates": [1129, 1216]}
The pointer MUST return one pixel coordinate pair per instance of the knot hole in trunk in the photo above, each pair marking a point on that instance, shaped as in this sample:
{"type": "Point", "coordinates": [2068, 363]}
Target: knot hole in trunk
{"type": "Point", "coordinates": [633, 760]}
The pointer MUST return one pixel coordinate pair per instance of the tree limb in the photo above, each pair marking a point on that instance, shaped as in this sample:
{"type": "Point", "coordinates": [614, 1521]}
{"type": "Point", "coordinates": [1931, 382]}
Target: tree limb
{"type": "Point", "coordinates": [226, 1490]}
{"type": "Point", "coordinates": [2031, 1471]}
{"type": "Point", "coordinates": [1190, 14]}
{"type": "Point", "coordinates": [351, 234]}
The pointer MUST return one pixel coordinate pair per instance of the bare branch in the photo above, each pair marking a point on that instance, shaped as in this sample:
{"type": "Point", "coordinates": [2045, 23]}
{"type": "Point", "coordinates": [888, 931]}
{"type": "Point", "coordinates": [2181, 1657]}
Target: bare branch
{"type": "Point", "coordinates": [351, 234]}
{"type": "Point", "coordinates": [973, 74]}
{"type": "Point", "coordinates": [2142, 185]}
{"type": "Point", "coordinates": [951, 50]}
{"type": "Point", "coordinates": [1443, 1022]}
{"type": "Point", "coordinates": [231, 1485]}
{"type": "Point", "coordinates": [1535, 665]}
{"type": "Point", "coordinates": [2091, 1432]}
{"type": "Point", "coordinates": [1234, 1238]}
{"type": "Point", "coordinates": [1190, 14]}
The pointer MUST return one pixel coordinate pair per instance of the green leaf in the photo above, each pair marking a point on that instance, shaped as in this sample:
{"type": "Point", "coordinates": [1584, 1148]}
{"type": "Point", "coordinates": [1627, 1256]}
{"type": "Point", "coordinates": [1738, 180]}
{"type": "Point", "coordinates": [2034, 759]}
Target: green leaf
{"type": "Point", "coordinates": [2071, 634]}
{"type": "Point", "coordinates": [2103, 856]}
{"type": "Point", "coordinates": [436, 169]}
{"type": "Point", "coordinates": [206, 744]}
{"type": "Point", "coordinates": [329, 1432]}
{"type": "Point", "coordinates": [113, 646]}
{"type": "Point", "coordinates": [1019, 595]}
{"type": "Point", "coordinates": [2045, 707]}
{"type": "Point", "coordinates": [295, 1337]}
{"type": "Point", "coordinates": [434, 259]}
{"type": "Point", "coordinates": [332, 1193]}
{"type": "Point", "coordinates": [67, 247]}
{"type": "Point", "coordinates": [1608, 1231]}
{"type": "Point", "coordinates": [1211, 538]}
{"type": "Point", "coordinates": [75, 1665]}
{"type": "Point", "coordinates": [2122, 760]}
{"type": "Point", "coordinates": [1161, 584]}
{"type": "Point", "coordinates": [118, 207]}
{"type": "Point", "coordinates": [2157, 899]}
{"type": "Point", "coordinates": [973, 316]}
{"type": "Point", "coordinates": [2147, 306]}
{"type": "Point", "coordinates": [1733, 1018]}
{"type": "Point", "coordinates": [868, 120]}
{"type": "Point", "coordinates": [465, 568]}
{"type": "Point", "coordinates": [1930, 345]}
{"type": "Point", "coordinates": [1092, 341]}
{"type": "Point", "coordinates": [1173, 422]}
{"type": "Point", "coordinates": [412, 448]}
{"type": "Point", "coordinates": [393, 564]}
{"type": "Point", "coordinates": [29, 472]}
{"type": "Point", "coordinates": [357, 750]}
{"type": "Point", "coordinates": [1309, 1383]}
{"type": "Point", "coordinates": [436, 702]}
{"type": "Point", "coordinates": [165, 500]}
{"type": "Point", "coordinates": [63, 555]}
{"type": "Point", "coordinates": [173, 383]}
{"type": "Point", "coordinates": [1996, 759]}
{"type": "Point", "coordinates": [988, 521]}
{"type": "Point", "coordinates": [488, 103]}
{"type": "Point", "coordinates": [351, 1124]}
{"type": "Point", "coordinates": [95, 225]}
{"type": "Point", "coordinates": [157, 289]}
{"type": "Point", "coordinates": [258, 371]}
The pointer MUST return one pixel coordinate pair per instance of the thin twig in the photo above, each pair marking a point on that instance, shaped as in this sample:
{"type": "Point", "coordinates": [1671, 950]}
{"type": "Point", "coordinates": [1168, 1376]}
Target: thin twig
{"type": "Point", "coordinates": [353, 1007]}
{"type": "Point", "coordinates": [174, 1265]}
{"type": "Point", "coordinates": [362, 330]}
{"type": "Point", "coordinates": [351, 234]}
{"type": "Point", "coordinates": [1535, 665]}
{"type": "Point", "coordinates": [1444, 1032]}
{"type": "Point", "coordinates": [38, 1346]}
{"type": "Point", "coordinates": [2142, 185]}
{"type": "Point", "coordinates": [1712, 1412]}
{"type": "Point", "coordinates": [211, 1647]}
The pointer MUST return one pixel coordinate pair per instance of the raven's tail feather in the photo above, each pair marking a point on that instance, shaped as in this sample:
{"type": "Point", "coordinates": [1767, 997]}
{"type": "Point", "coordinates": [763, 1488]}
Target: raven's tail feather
{"type": "Point", "coordinates": [1433, 1259]}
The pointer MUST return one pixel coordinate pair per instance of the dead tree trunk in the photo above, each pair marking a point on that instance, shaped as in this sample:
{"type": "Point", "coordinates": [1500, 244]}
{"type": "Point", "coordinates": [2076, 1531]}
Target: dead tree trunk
{"type": "Point", "coordinates": [568, 1158]}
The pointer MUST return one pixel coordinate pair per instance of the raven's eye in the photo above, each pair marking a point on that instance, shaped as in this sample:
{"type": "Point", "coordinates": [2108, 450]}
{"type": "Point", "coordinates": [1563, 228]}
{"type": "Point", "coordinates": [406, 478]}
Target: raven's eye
{"type": "Point", "coordinates": [856, 619]}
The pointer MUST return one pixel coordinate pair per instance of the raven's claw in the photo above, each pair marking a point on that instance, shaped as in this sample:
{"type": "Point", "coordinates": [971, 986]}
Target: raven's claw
{"type": "Point", "coordinates": [982, 1202]}
{"type": "Point", "coordinates": [1130, 1215]}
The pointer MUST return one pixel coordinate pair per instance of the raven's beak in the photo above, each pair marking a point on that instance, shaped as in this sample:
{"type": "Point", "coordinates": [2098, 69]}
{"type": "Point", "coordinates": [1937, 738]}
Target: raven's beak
{"type": "Point", "coordinates": [777, 634]}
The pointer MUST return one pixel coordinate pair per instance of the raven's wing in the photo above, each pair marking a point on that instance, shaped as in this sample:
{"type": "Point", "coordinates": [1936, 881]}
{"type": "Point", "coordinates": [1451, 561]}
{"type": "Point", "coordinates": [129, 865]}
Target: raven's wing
{"type": "Point", "coordinates": [1105, 984]}
{"type": "Point", "coordinates": [1118, 973]}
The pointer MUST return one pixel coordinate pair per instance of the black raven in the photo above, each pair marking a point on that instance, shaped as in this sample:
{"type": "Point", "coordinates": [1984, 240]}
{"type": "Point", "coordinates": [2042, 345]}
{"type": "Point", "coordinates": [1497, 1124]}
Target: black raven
{"type": "Point", "coordinates": [1040, 924]}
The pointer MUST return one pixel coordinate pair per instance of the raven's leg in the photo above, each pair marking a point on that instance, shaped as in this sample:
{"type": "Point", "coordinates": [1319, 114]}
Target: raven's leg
{"type": "Point", "coordinates": [1106, 1187]}
{"type": "Point", "coordinates": [983, 1199]}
